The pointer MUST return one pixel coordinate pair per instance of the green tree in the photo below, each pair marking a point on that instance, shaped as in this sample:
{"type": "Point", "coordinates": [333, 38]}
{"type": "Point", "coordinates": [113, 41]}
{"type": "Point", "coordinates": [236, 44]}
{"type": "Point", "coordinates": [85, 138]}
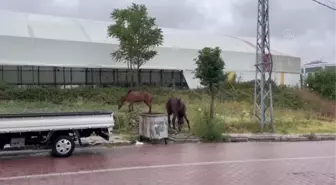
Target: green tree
{"type": "Point", "coordinates": [138, 36]}
{"type": "Point", "coordinates": [209, 70]}
{"type": "Point", "coordinates": [323, 82]}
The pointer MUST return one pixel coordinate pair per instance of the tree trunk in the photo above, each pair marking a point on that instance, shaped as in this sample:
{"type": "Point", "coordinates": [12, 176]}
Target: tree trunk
{"type": "Point", "coordinates": [212, 95]}
{"type": "Point", "coordinates": [132, 78]}
{"type": "Point", "coordinates": [129, 74]}
{"type": "Point", "coordinates": [138, 77]}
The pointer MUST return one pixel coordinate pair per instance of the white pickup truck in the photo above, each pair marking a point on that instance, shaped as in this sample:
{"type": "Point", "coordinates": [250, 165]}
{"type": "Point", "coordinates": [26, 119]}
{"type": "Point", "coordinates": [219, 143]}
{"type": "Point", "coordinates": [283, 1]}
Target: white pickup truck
{"type": "Point", "coordinates": [55, 131]}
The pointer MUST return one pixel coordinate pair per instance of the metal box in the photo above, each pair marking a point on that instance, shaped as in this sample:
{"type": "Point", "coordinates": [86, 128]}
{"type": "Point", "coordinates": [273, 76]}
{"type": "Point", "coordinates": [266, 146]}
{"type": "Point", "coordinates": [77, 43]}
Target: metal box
{"type": "Point", "coordinates": [153, 126]}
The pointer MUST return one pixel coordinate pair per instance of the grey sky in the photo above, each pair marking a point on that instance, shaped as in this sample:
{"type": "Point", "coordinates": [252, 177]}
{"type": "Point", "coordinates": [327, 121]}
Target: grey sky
{"type": "Point", "coordinates": [302, 25]}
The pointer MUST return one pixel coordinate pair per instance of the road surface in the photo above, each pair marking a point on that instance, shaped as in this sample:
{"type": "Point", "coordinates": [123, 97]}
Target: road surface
{"type": "Point", "coordinates": [296, 163]}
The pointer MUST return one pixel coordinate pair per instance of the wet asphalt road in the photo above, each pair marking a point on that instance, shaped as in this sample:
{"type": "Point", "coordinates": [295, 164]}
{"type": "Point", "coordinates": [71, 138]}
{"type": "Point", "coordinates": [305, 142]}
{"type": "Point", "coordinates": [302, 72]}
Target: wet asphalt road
{"type": "Point", "coordinates": [296, 163]}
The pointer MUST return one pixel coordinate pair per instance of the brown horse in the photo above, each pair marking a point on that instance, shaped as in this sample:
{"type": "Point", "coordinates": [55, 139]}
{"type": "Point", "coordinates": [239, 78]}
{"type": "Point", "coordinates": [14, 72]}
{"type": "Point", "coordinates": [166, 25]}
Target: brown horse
{"type": "Point", "coordinates": [133, 97]}
{"type": "Point", "coordinates": [176, 107]}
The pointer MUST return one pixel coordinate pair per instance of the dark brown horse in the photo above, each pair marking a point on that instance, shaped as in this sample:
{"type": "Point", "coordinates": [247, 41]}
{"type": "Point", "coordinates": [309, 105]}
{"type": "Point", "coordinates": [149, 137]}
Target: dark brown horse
{"type": "Point", "coordinates": [176, 107]}
{"type": "Point", "coordinates": [133, 97]}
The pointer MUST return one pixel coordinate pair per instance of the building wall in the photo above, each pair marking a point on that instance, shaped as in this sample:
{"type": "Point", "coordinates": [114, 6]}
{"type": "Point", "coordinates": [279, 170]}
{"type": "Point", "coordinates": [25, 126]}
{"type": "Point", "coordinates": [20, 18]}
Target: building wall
{"type": "Point", "coordinates": [59, 76]}
{"type": "Point", "coordinates": [314, 67]}
{"type": "Point", "coordinates": [280, 78]}
{"type": "Point", "coordinates": [44, 40]}
{"type": "Point", "coordinates": [30, 51]}
{"type": "Point", "coordinates": [20, 51]}
{"type": "Point", "coordinates": [33, 75]}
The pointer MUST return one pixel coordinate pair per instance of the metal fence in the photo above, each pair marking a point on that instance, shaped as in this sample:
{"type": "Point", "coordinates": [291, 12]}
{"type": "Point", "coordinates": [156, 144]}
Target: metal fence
{"type": "Point", "coordinates": [71, 77]}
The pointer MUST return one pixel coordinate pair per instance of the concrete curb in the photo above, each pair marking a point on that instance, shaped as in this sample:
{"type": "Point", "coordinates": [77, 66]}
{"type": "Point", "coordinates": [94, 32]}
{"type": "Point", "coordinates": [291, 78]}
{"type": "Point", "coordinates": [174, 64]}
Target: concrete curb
{"type": "Point", "coordinates": [186, 140]}
{"type": "Point", "coordinates": [277, 137]}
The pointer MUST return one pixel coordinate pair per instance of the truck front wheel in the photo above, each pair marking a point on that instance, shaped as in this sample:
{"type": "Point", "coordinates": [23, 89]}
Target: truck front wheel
{"type": "Point", "coordinates": [63, 146]}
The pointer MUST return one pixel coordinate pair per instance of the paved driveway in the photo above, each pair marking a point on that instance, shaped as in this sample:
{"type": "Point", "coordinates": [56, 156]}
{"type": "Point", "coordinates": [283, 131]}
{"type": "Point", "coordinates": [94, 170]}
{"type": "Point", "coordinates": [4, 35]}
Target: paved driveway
{"type": "Point", "coordinates": [300, 163]}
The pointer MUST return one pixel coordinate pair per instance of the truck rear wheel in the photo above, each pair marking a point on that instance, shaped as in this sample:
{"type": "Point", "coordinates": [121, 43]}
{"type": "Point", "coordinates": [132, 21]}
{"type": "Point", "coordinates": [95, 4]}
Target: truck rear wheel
{"type": "Point", "coordinates": [63, 146]}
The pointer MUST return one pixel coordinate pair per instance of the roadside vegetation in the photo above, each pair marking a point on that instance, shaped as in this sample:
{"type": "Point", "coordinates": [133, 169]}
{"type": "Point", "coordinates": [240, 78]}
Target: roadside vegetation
{"type": "Point", "coordinates": [295, 110]}
{"type": "Point", "coordinates": [209, 69]}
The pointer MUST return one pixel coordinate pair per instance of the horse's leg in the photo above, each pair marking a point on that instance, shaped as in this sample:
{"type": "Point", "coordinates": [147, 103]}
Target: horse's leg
{"type": "Point", "coordinates": [169, 122]}
{"type": "Point", "coordinates": [149, 104]}
{"type": "Point", "coordinates": [130, 106]}
{"type": "Point", "coordinates": [169, 112]}
{"type": "Point", "coordinates": [185, 117]}
{"type": "Point", "coordinates": [174, 118]}
{"type": "Point", "coordinates": [179, 125]}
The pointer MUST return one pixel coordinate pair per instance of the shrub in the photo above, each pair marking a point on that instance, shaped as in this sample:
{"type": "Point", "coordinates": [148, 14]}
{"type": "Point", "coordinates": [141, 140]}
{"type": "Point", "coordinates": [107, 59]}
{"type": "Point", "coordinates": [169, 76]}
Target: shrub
{"type": "Point", "coordinates": [206, 128]}
{"type": "Point", "coordinates": [127, 121]}
{"type": "Point", "coordinates": [313, 101]}
{"type": "Point", "coordinates": [288, 98]}
{"type": "Point", "coordinates": [284, 97]}
{"type": "Point", "coordinates": [323, 82]}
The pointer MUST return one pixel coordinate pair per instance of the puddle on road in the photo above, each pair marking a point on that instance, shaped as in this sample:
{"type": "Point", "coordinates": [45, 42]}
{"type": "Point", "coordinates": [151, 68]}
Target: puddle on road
{"type": "Point", "coordinates": [314, 174]}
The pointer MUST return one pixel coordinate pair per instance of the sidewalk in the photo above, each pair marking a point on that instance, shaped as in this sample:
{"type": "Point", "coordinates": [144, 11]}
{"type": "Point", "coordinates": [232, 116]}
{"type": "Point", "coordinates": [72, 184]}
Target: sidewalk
{"type": "Point", "coordinates": [118, 139]}
{"type": "Point", "coordinates": [278, 137]}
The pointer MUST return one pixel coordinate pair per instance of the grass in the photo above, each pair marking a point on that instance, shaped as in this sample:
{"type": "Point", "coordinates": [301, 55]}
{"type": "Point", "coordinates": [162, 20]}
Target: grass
{"type": "Point", "coordinates": [235, 116]}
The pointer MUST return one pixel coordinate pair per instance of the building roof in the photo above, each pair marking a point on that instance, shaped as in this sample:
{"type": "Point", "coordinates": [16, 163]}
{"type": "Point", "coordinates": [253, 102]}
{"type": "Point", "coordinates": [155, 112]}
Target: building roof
{"type": "Point", "coordinates": [315, 62]}
{"type": "Point", "coordinates": [44, 40]}
{"type": "Point", "coordinates": [318, 64]}
{"type": "Point", "coordinates": [31, 25]}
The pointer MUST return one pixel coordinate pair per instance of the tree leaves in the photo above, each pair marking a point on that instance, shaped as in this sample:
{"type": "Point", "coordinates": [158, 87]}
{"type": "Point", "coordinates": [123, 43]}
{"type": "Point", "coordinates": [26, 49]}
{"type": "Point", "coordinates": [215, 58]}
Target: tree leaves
{"type": "Point", "coordinates": [210, 66]}
{"type": "Point", "coordinates": [137, 33]}
{"type": "Point", "coordinates": [209, 70]}
{"type": "Point", "coordinates": [323, 82]}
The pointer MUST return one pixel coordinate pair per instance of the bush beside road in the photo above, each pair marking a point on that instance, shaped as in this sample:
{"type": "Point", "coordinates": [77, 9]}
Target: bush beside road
{"type": "Point", "coordinates": [296, 111]}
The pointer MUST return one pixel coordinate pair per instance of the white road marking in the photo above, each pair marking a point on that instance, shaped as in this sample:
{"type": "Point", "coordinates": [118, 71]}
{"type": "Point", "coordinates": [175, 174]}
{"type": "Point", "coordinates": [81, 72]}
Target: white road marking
{"type": "Point", "coordinates": [158, 166]}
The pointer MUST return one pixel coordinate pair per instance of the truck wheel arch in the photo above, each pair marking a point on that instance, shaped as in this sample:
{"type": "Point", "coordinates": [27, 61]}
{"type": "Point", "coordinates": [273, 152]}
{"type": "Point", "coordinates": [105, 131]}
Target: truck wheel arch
{"type": "Point", "coordinates": [52, 135]}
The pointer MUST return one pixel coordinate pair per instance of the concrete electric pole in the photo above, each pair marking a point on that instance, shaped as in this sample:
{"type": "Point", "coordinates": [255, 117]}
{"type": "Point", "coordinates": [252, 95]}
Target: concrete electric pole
{"type": "Point", "coordinates": [263, 103]}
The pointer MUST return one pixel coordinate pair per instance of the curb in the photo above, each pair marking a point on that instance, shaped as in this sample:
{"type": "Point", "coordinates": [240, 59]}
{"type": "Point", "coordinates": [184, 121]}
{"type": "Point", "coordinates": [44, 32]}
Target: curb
{"type": "Point", "coordinates": [181, 140]}
{"type": "Point", "coordinates": [277, 137]}
{"type": "Point", "coordinates": [109, 144]}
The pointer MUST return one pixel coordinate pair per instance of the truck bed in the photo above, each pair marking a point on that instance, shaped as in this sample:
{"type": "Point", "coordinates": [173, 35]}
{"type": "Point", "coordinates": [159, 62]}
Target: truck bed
{"type": "Point", "coordinates": [53, 114]}
{"type": "Point", "coordinates": [37, 122]}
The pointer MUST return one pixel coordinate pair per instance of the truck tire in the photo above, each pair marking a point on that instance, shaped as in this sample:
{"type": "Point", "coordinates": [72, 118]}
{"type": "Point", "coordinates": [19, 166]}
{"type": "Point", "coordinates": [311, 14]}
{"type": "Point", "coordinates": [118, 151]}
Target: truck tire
{"type": "Point", "coordinates": [63, 146]}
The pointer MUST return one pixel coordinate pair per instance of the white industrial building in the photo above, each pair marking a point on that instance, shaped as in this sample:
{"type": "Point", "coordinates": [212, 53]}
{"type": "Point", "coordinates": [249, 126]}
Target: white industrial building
{"type": "Point", "coordinates": [316, 66]}
{"type": "Point", "coordinates": [48, 50]}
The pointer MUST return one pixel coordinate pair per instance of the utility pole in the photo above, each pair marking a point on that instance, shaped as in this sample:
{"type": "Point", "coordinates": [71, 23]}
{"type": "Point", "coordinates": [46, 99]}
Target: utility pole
{"type": "Point", "coordinates": [263, 103]}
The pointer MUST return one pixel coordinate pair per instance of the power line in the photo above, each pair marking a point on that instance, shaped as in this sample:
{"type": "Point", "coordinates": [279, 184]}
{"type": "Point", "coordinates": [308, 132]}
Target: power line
{"type": "Point", "coordinates": [324, 5]}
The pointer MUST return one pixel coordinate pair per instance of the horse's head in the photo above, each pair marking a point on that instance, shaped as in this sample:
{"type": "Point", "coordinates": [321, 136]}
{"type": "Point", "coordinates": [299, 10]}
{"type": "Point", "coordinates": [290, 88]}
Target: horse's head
{"type": "Point", "coordinates": [121, 101]}
{"type": "Point", "coordinates": [180, 120]}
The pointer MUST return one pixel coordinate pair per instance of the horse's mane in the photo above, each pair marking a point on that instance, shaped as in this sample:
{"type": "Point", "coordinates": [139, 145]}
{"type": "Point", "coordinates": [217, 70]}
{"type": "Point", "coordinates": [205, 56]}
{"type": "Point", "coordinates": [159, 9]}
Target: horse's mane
{"type": "Point", "coordinates": [179, 102]}
{"type": "Point", "coordinates": [129, 91]}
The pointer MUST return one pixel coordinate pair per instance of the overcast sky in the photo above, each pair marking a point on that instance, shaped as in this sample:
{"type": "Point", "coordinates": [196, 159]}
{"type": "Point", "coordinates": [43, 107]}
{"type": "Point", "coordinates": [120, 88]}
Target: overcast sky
{"type": "Point", "coordinates": [305, 27]}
